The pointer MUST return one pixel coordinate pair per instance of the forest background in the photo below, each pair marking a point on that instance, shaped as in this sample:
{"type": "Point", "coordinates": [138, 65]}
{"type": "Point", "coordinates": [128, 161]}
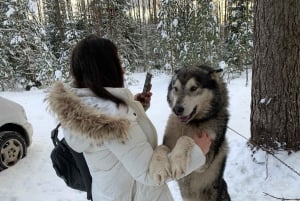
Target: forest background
{"type": "Point", "coordinates": [36, 36]}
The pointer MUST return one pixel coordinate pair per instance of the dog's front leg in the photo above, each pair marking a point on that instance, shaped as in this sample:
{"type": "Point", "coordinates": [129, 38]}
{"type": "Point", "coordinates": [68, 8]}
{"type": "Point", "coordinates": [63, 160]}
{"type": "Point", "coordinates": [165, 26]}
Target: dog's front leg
{"type": "Point", "coordinates": [180, 156]}
{"type": "Point", "coordinates": [159, 168]}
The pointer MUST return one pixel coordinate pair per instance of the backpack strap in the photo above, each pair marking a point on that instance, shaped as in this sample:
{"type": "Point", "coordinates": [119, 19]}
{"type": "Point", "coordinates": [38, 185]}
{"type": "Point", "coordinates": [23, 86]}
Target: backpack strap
{"type": "Point", "coordinates": [54, 135]}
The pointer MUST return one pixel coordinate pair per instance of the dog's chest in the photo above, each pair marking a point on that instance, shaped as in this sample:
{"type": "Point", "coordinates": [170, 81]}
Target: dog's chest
{"type": "Point", "coordinates": [175, 129]}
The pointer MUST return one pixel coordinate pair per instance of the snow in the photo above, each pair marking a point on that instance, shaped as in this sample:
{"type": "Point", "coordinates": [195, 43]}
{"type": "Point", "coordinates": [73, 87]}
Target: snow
{"type": "Point", "coordinates": [223, 65]}
{"type": "Point", "coordinates": [16, 40]}
{"type": "Point", "coordinates": [58, 75]}
{"type": "Point", "coordinates": [250, 175]}
{"type": "Point", "coordinates": [159, 24]}
{"type": "Point", "coordinates": [175, 22]}
{"type": "Point", "coordinates": [32, 5]}
{"type": "Point", "coordinates": [10, 11]}
{"type": "Point", "coordinates": [265, 101]}
{"type": "Point", "coordinates": [164, 34]}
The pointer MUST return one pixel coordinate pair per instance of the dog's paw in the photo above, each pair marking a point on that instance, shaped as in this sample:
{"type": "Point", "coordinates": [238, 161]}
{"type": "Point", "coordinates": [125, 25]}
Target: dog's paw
{"type": "Point", "coordinates": [180, 156]}
{"type": "Point", "coordinates": [160, 168]}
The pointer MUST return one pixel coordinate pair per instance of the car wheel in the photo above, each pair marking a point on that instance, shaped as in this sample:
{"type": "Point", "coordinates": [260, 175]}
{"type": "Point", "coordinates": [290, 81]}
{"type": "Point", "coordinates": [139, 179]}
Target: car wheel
{"type": "Point", "coordinates": [12, 148]}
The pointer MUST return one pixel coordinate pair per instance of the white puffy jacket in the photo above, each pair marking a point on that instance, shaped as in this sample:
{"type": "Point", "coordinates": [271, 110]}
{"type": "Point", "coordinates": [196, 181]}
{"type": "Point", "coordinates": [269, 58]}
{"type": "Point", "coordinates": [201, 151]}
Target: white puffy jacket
{"type": "Point", "coordinates": [117, 143]}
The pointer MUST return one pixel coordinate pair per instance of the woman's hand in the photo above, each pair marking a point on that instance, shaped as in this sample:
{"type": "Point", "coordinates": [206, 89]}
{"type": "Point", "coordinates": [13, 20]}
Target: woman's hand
{"type": "Point", "coordinates": [203, 141]}
{"type": "Point", "coordinates": [144, 99]}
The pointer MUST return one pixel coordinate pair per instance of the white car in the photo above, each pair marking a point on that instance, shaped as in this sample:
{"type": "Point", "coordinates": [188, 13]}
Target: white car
{"type": "Point", "coordinates": [15, 133]}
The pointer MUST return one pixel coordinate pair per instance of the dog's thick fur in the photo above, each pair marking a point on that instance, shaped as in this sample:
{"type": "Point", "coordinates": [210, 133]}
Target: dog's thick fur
{"type": "Point", "coordinates": [198, 98]}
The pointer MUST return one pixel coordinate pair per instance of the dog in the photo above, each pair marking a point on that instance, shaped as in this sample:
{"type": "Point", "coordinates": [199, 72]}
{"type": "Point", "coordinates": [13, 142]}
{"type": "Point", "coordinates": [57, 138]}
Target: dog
{"type": "Point", "coordinates": [198, 98]}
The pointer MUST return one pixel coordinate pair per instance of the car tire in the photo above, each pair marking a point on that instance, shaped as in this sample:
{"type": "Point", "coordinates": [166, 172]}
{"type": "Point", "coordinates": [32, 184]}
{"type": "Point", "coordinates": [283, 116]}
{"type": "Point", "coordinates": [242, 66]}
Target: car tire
{"type": "Point", "coordinates": [12, 148]}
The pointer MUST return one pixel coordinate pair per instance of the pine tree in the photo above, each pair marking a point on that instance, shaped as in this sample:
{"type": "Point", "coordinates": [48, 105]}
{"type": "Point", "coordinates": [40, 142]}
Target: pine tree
{"type": "Point", "coordinates": [239, 35]}
{"type": "Point", "coordinates": [55, 24]}
{"type": "Point", "coordinates": [204, 36]}
{"type": "Point", "coordinates": [170, 34]}
{"type": "Point", "coordinates": [26, 58]}
{"type": "Point", "coordinates": [120, 28]}
{"type": "Point", "coordinates": [189, 33]}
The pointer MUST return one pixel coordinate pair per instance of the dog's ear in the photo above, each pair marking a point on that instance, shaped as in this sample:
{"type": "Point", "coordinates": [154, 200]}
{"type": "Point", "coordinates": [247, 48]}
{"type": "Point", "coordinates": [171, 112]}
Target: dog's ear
{"type": "Point", "coordinates": [215, 74]}
{"type": "Point", "coordinates": [215, 71]}
{"type": "Point", "coordinates": [210, 70]}
{"type": "Point", "coordinates": [219, 70]}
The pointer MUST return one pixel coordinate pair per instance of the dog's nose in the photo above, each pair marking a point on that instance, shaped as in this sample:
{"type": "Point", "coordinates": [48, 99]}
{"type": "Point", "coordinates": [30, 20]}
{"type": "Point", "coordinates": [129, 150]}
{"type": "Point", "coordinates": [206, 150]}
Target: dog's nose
{"type": "Point", "coordinates": [178, 110]}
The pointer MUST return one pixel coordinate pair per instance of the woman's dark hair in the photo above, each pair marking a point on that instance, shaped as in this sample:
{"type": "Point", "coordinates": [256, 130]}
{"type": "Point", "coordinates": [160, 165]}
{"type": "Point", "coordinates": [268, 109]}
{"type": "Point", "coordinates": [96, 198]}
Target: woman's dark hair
{"type": "Point", "coordinates": [95, 64]}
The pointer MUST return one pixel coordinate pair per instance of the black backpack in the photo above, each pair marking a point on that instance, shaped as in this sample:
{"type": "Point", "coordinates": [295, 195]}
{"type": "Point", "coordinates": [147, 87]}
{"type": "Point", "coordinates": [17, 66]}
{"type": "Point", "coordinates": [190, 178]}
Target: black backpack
{"type": "Point", "coordinates": [70, 165]}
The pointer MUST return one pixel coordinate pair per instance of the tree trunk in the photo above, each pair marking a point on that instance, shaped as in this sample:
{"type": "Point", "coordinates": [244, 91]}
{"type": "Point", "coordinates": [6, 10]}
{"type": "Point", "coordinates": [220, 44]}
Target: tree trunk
{"type": "Point", "coordinates": [59, 20]}
{"type": "Point", "coordinates": [110, 16]}
{"type": "Point", "coordinates": [275, 105]}
{"type": "Point", "coordinates": [39, 7]}
{"type": "Point", "coordinates": [154, 12]}
{"type": "Point", "coordinates": [69, 9]}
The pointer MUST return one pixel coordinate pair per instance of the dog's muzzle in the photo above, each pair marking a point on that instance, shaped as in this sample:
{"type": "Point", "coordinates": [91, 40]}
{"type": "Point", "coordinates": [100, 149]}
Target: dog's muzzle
{"type": "Point", "coordinates": [178, 110]}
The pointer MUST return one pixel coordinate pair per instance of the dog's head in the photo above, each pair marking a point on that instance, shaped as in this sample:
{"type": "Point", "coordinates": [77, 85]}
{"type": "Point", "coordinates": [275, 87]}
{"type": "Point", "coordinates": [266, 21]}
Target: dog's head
{"type": "Point", "coordinates": [196, 92]}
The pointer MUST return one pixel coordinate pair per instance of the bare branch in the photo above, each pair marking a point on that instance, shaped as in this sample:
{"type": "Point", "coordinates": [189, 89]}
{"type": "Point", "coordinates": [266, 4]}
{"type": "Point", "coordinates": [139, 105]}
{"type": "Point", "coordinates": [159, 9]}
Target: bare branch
{"type": "Point", "coordinates": [283, 199]}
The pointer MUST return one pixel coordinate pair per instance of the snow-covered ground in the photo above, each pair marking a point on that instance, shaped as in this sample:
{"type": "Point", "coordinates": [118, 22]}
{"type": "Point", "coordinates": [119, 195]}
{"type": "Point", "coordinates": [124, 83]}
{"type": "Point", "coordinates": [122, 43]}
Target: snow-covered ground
{"type": "Point", "coordinates": [249, 178]}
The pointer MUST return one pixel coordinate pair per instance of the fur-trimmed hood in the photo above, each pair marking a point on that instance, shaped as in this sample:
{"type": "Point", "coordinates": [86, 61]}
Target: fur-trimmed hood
{"type": "Point", "coordinates": [81, 118]}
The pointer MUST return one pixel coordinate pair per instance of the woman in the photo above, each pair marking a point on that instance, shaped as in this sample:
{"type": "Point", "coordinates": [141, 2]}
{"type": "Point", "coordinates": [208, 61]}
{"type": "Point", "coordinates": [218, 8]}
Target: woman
{"type": "Point", "coordinates": [101, 119]}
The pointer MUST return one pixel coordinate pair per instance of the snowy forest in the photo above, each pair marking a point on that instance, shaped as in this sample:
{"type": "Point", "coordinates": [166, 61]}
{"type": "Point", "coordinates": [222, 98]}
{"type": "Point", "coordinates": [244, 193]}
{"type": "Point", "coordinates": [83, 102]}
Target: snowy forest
{"type": "Point", "coordinates": [259, 39]}
{"type": "Point", "coordinates": [37, 35]}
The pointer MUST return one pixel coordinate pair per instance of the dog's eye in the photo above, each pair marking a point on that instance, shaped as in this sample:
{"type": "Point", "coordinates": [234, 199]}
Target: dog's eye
{"type": "Point", "coordinates": [193, 88]}
{"type": "Point", "coordinates": [175, 89]}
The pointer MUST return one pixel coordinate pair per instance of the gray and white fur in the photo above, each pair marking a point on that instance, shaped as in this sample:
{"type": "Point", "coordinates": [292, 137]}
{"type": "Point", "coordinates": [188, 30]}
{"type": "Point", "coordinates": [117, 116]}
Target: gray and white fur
{"type": "Point", "coordinates": [198, 98]}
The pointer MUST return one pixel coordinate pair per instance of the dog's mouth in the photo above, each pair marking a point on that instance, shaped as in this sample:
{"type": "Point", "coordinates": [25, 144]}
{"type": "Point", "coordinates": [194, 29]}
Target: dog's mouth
{"type": "Point", "coordinates": [185, 119]}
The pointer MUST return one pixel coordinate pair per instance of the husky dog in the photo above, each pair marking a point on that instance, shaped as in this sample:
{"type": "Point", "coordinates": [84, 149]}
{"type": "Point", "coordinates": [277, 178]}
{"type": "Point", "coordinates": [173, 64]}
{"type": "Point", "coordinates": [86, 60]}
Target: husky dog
{"type": "Point", "coordinates": [198, 98]}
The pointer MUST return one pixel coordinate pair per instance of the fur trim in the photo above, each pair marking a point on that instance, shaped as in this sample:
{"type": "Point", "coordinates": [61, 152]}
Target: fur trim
{"type": "Point", "coordinates": [80, 118]}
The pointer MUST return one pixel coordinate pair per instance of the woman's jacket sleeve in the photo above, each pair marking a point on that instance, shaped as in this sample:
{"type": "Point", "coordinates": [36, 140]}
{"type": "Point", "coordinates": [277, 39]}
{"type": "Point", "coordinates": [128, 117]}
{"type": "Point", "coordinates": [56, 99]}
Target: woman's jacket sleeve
{"type": "Point", "coordinates": [135, 154]}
